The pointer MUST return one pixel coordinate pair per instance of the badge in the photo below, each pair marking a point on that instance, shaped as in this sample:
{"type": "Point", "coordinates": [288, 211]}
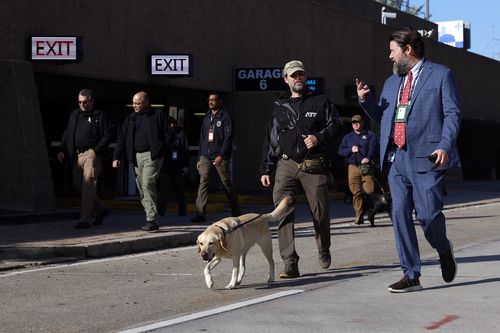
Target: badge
{"type": "Point", "coordinates": [401, 113]}
{"type": "Point", "coordinates": [218, 123]}
{"type": "Point", "coordinates": [174, 155]}
{"type": "Point", "coordinates": [211, 135]}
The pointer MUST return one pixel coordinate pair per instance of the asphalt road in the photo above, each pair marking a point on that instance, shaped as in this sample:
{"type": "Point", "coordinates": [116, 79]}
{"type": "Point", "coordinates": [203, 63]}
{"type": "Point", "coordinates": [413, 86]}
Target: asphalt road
{"type": "Point", "coordinates": [120, 293]}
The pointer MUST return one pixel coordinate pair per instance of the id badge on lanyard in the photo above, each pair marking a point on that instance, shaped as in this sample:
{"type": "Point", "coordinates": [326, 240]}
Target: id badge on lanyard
{"type": "Point", "coordinates": [174, 155]}
{"type": "Point", "coordinates": [402, 113]}
{"type": "Point", "coordinates": [211, 135]}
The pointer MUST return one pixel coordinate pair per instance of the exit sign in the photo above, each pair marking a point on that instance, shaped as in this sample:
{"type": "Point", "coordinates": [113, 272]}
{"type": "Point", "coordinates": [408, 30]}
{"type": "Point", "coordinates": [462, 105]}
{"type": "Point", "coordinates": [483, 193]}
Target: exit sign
{"type": "Point", "coordinates": [60, 48]}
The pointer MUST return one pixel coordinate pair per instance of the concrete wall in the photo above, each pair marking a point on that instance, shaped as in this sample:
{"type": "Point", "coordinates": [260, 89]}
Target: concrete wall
{"type": "Point", "coordinates": [337, 40]}
{"type": "Point", "coordinates": [25, 177]}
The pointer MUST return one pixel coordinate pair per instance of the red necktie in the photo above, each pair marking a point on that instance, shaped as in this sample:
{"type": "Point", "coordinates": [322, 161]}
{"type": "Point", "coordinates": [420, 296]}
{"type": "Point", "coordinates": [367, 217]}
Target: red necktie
{"type": "Point", "coordinates": [400, 128]}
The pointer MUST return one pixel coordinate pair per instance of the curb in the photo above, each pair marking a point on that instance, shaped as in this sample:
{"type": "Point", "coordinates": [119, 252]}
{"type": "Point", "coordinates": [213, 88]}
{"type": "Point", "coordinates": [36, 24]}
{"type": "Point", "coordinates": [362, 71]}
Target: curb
{"type": "Point", "coordinates": [164, 239]}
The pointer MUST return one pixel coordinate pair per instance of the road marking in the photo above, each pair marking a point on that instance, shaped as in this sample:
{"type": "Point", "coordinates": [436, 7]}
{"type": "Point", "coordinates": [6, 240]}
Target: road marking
{"type": "Point", "coordinates": [440, 323]}
{"type": "Point", "coordinates": [212, 312]}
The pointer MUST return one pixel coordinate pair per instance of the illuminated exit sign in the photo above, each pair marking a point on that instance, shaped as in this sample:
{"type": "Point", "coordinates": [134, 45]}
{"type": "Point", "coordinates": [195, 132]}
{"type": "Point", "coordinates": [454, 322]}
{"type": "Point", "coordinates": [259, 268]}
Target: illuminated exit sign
{"type": "Point", "coordinates": [59, 48]}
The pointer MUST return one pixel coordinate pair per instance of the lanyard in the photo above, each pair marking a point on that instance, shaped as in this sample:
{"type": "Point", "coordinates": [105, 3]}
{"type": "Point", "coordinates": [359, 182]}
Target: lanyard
{"type": "Point", "coordinates": [212, 117]}
{"type": "Point", "coordinates": [413, 84]}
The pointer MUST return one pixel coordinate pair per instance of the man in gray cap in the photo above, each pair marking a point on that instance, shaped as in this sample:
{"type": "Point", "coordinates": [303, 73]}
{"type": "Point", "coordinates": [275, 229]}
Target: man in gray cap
{"type": "Point", "coordinates": [359, 147]}
{"type": "Point", "coordinates": [302, 124]}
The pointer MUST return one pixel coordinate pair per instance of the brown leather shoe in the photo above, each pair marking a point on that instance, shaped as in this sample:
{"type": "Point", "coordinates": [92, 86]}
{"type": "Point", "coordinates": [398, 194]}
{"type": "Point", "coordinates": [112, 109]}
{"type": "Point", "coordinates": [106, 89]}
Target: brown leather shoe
{"type": "Point", "coordinates": [291, 271]}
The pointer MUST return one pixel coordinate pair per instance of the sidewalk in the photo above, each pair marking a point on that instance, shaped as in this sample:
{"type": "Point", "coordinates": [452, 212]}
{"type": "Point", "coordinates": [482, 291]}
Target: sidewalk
{"type": "Point", "coordinates": [37, 239]}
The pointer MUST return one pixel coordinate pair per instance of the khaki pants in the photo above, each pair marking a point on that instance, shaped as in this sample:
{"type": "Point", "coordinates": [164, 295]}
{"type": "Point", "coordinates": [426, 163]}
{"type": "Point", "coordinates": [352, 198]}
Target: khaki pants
{"type": "Point", "coordinates": [86, 170]}
{"type": "Point", "coordinates": [224, 172]}
{"type": "Point", "coordinates": [147, 172]}
{"type": "Point", "coordinates": [359, 186]}
{"type": "Point", "coordinates": [287, 182]}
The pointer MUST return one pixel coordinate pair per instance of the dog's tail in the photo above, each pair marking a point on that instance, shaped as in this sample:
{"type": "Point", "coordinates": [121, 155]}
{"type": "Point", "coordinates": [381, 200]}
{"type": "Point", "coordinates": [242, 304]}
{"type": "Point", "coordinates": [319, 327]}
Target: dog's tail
{"type": "Point", "coordinates": [283, 209]}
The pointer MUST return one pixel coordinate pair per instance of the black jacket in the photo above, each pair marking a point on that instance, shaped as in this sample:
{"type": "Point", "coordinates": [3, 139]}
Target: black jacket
{"type": "Point", "coordinates": [317, 116]}
{"type": "Point", "coordinates": [159, 135]}
{"type": "Point", "coordinates": [178, 148]}
{"type": "Point", "coordinates": [223, 135]}
{"type": "Point", "coordinates": [100, 125]}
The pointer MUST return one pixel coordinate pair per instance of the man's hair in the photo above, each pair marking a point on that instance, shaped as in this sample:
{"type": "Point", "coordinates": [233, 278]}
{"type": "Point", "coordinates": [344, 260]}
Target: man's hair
{"type": "Point", "coordinates": [171, 120]}
{"type": "Point", "coordinates": [87, 93]}
{"type": "Point", "coordinates": [409, 36]}
{"type": "Point", "coordinates": [216, 93]}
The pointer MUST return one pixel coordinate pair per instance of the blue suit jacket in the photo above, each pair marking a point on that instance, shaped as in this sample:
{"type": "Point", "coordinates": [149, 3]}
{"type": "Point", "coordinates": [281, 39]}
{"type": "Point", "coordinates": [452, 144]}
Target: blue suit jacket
{"type": "Point", "coordinates": [433, 119]}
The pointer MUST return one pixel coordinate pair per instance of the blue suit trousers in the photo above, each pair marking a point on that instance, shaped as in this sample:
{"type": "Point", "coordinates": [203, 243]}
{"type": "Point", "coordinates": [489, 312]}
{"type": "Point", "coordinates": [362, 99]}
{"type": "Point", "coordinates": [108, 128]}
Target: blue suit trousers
{"type": "Point", "coordinates": [422, 191]}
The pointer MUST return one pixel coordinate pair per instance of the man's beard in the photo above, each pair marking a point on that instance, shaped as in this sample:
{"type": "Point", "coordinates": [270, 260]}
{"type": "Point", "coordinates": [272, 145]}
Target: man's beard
{"type": "Point", "coordinates": [298, 87]}
{"type": "Point", "coordinates": [402, 67]}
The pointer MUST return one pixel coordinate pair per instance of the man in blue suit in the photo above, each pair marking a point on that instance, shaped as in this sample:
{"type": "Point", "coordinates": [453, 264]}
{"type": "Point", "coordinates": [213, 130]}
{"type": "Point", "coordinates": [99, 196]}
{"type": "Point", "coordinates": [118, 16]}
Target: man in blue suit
{"type": "Point", "coordinates": [419, 114]}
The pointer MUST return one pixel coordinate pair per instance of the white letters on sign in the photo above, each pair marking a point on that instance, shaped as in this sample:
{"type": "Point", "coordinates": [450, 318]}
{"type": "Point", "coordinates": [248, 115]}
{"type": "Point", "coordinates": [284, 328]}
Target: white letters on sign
{"type": "Point", "coordinates": [53, 48]}
{"type": "Point", "coordinates": [170, 65]}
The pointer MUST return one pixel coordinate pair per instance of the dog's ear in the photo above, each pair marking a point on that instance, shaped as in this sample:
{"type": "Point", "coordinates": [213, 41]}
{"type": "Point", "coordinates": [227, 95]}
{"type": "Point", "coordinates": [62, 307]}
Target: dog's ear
{"type": "Point", "coordinates": [221, 242]}
{"type": "Point", "coordinates": [198, 245]}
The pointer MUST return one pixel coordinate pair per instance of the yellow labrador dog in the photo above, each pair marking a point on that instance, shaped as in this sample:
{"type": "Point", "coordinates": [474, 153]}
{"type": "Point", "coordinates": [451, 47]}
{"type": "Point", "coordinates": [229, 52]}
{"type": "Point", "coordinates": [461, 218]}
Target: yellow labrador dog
{"type": "Point", "coordinates": [232, 237]}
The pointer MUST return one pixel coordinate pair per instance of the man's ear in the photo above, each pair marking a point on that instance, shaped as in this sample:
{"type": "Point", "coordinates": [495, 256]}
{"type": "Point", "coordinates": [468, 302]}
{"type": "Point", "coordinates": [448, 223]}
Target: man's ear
{"type": "Point", "coordinates": [409, 50]}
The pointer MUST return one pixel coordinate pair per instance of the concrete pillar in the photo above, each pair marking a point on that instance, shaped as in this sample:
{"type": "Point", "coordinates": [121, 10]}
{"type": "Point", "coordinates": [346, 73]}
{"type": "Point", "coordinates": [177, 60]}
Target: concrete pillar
{"type": "Point", "coordinates": [25, 176]}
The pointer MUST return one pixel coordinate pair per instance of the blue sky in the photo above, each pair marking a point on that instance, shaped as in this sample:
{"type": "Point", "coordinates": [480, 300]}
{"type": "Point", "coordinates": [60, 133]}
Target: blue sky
{"type": "Point", "coordinates": [483, 15]}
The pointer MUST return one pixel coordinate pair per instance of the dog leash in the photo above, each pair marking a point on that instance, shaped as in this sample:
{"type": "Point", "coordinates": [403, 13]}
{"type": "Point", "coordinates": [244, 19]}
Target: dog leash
{"type": "Point", "coordinates": [225, 232]}
{"type": "Point", "coordinates": [238, 226]}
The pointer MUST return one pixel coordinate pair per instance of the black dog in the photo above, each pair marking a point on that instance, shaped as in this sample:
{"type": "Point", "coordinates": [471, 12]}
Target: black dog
{"type": "Point", "coordinates": [378, 203]}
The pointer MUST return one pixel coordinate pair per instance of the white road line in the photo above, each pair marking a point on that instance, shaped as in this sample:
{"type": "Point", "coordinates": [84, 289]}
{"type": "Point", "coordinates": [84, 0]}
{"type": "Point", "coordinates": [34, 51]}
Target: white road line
{"type": "Point", "coordinates": [212, 312]}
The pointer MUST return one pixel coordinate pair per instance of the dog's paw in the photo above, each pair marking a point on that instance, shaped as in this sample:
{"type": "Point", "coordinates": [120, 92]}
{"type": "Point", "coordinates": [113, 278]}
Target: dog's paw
{"type": "Point", "coordinates": [270, 279]}
{"type": "Point", "coordinates": [210, 283]}
{"type": "Point", "coordinates": [230, 286]}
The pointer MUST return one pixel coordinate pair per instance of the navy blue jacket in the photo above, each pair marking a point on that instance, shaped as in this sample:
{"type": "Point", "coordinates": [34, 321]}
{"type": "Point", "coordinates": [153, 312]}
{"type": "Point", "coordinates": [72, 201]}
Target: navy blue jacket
{"type": "Point", "coordinates": [366, 142]}
{"type": "Point", "coordinates": [222, 126]}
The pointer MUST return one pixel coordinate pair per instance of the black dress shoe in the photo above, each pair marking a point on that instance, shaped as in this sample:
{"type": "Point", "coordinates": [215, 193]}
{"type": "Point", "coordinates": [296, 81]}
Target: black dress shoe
{"type": "Point", "coordinates": [236, 214]}
{"type": "Point", "coordinates": [405, 285]}
{"type": "Point", "coordinates": [448, 265]}
{"type": "Point", "coordinates": [100, 217]}
{"type": "Point", "coordinates": [198, 219]}
{"type": "Point", "coordinates": [82, 225]}
{"type": "Point", "coordinates": [150, 226]}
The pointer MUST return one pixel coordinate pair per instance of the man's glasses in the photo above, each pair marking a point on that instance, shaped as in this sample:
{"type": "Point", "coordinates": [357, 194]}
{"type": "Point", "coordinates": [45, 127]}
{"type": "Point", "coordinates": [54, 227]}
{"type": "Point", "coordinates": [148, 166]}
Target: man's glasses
{"type": "Point", "coordinates": [355, 122]}
{"type": "Point", "coordinates": [83, 102]}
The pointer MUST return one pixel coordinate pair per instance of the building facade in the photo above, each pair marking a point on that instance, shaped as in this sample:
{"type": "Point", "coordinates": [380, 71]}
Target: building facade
{"type": "Point", "coordinates": [337, 41]}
